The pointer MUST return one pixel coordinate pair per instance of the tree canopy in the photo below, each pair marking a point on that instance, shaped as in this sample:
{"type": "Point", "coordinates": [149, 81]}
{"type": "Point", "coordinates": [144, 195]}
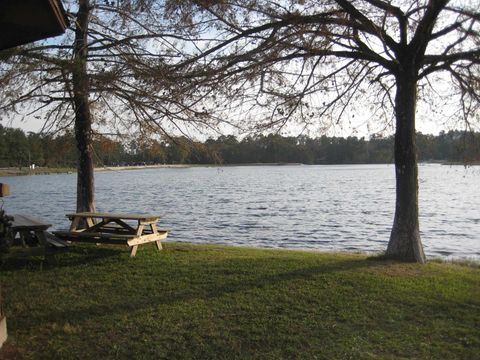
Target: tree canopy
{"type": "Point", "coordinates": [321, 62]}
{"type": "Point", "coordinates": [122, 38]}
{"type": "Point", "coordinates": [303, 60]}
{"type": "Point", "coordinates": [95, 78]}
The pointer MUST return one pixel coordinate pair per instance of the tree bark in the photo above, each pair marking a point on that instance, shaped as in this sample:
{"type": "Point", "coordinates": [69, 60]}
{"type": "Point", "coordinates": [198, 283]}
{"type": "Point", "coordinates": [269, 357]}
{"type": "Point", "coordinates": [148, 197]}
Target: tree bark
{"type": "Point", "coordinates": [405, 243]}
{"type": "Point", "coordinates": [83, 121]}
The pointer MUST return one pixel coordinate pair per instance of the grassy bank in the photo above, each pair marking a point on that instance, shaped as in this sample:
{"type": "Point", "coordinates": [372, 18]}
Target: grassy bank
{"type": "Point", "coordinates": [12, 171]}
{"type": "Point", "coordinates": [210, 302]}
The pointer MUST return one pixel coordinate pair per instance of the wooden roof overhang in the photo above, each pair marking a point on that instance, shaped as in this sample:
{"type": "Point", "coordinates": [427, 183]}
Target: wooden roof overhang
{"type": "Point", "coordinates": [24, 21]}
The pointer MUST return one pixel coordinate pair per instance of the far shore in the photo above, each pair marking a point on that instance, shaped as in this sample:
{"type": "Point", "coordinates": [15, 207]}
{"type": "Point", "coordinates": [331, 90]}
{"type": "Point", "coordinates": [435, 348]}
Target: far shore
{"type": "Point", "coordinates": [141, 167]}
{"type": "Point", "coordinates": [181, 166]}
{"type": "Point", "coordinates": [22, 171]}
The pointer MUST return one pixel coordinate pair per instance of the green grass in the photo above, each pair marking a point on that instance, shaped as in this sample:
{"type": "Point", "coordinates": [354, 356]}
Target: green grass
{"type": "Point", "coordinates": [212, 302]}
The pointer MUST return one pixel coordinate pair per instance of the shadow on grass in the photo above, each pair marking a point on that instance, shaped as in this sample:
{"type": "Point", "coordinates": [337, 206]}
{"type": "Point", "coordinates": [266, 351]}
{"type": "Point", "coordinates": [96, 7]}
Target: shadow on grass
{"type": "Point", "coordinates": [73, 257]}
{"type": "Point", "coordinates": [205, 284]}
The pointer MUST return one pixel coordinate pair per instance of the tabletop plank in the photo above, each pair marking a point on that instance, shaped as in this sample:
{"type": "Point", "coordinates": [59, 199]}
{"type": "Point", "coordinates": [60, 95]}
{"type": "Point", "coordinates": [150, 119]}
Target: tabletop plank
{"type": "Point", "coordinates": [24, 222]}
{"type": "Point", "coordinates": [125, 216]}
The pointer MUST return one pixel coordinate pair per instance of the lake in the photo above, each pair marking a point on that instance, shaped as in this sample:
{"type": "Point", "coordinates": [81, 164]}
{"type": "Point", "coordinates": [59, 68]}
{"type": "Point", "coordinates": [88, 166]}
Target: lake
{"type": "Point", "coordinates": [331, 207]}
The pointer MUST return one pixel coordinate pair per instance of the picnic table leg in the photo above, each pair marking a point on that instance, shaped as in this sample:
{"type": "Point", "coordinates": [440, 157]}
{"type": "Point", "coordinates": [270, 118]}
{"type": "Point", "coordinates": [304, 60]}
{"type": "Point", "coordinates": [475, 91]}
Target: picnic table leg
{"type": "Point", "coordinates": [134, 251]}
{"type": "Point", "coordinates": [90, 222]}
{"type": "Point", "coordinates": [140, 229]}
{"type": "Point", "coordinates": [22, 238]}
{"type": "Point", "coordinates": [42, 238]}
{"type": "Point", "coordinates": [75, 223]}
{"type": "Point", "coordinates": [42, 242]}
{"type": "Point", "coordinates": [154, 231]}
{"type": "Point", "coordinates": [78, 221]}
{"type": "Point", "coordinates": [139, 233]}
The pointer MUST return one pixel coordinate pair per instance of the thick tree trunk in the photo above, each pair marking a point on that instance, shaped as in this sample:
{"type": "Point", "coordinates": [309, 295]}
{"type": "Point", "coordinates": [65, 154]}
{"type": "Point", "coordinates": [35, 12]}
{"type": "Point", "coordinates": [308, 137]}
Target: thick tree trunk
{"type": "Point", "coordinates": [83, 121]}
{"type": "Point", "coordinates": [405, 243]}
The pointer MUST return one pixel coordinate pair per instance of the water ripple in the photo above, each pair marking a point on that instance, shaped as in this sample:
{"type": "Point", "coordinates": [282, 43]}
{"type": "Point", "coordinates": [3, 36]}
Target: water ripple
{"type": "Point", "coordinates": [315, 207]}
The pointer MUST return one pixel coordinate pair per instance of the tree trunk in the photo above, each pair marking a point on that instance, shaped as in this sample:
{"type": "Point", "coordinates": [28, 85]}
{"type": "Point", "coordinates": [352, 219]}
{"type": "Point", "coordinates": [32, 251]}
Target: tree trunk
{"type": "Point", "coordinates": [405, 243]}
{"type": "Point", "coordinates": [83, 121]}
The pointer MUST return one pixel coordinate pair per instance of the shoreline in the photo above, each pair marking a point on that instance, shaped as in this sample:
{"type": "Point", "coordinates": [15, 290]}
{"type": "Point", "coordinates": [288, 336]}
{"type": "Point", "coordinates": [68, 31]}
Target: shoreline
{"type": "Point", "coordinates": [15, 171]}
{"type": "Point", "coordinates": [142, 167]}
{"type": "Point", "coordinates": [184, 166]}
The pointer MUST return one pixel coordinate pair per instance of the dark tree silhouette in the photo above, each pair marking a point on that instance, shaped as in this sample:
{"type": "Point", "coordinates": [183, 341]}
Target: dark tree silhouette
{"type": "Point", "coordinates": [382, 55]}
{"type": "Point", "coordinates": [96, 78]}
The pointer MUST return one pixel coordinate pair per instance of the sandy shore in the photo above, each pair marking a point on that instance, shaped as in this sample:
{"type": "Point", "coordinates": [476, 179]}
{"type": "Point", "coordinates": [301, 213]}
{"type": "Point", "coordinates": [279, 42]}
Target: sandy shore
{"type": "Point", "coordinates": [15, 171]}
{"type": "Point", "coordinates": [180, 166]}
{"type": "Point", "coordinates": [140, 167]}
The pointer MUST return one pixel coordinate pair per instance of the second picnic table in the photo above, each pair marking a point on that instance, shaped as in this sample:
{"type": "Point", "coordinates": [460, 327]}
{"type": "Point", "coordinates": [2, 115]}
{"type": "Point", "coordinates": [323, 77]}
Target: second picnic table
{"type": "Point", "coordinates": [33, 237]}
{"type": "Point", "coordinates": [113, 228]}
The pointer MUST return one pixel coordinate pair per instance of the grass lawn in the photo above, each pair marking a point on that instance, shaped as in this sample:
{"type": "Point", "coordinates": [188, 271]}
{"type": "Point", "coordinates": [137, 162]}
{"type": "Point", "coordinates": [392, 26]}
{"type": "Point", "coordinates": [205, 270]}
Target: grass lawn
{"type": "Point", "coordinates": [214, 302]}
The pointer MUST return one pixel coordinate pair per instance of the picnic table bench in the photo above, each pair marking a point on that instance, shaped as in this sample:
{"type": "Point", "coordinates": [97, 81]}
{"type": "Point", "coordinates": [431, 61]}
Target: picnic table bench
{"type": "Point", "coordinates": [113, 228]}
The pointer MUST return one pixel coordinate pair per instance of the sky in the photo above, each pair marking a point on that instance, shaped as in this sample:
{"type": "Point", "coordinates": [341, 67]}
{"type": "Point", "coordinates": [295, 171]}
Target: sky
{"type": "Point", "coordinates": [426, 124]}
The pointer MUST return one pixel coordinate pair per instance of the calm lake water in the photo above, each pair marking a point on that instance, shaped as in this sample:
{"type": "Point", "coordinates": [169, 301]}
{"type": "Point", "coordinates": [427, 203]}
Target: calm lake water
{"type": "Point", "coordinates": [345, 207]}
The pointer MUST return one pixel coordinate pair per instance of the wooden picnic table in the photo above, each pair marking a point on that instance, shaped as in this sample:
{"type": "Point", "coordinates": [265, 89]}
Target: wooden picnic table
{"type": "Point", "coordinates": [114, 228]}
{"type": "Point", "coordinates": [29, 229]}
{"type": "Point", "coordinates": [33, 236]}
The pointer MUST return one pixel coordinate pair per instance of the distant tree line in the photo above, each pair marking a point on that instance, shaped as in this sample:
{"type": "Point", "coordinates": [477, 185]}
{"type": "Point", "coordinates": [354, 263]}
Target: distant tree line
{"type": "Point", "coordinates": [18, 149]}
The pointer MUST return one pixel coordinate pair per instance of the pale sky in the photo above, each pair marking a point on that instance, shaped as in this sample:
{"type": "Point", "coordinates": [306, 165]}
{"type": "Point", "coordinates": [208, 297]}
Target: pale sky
{"type": "Point", "coordinates": [425, 124]}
